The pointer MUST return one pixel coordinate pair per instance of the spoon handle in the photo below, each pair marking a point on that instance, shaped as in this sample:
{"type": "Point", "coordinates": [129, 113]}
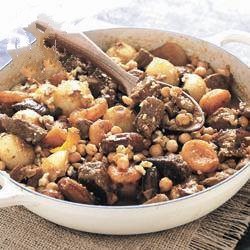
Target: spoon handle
{"type": "Point", "coordinates": [81, 46]}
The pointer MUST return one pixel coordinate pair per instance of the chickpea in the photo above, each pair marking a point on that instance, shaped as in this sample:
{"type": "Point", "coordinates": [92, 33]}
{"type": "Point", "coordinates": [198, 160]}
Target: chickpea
{"type": "Point", "coordinates": [91, 149]}
{"type": "Point", "coordinates": [127, 100]}
{"type": "Point", "coordinates": [175, 91]}
{"type": "Point", "coordinates": [165, 184]}
{"type": "Point", "coordinates": [123, 163]}
{"type": "Point", "coordinates": [201, 71]}
{"type": "Point", "coordinates": [172, 146]}
{"type": "Point", "coordinates": [208, 130]}
{"type": "Point", "coordinates": [74, 157]}
{"type": "Point", "coordinates": [243, 121]}
{"type": "Point", "coordinates": [184, 137]}
{"type": "Point", "coordinates": [97, 157]}
{"type": "Point", "coordinates": [111, 157]}
{"type": "Point", "coordinates": [165, 91]}
{"type": "Point", "coordinates": [44, 181]}
{"type": "Point", "coordinates": [138, 157]}
{"type": "Point", "coordinates": [206, 137]}
{"type": "Point", "coordinates": [52, 186]}
{"type": "Point", "coordinates": [81, 149]}
{"type": "Point", "coordinates": [2, 166]}
{"type": "Point", "coordinates": [156, 150]}
{"type": "Point", "coordinates": [116, 130]}
{"type": "Point", "coordinates": [202, 64]}
{"type": "Point", "coordinates": [184, 119]}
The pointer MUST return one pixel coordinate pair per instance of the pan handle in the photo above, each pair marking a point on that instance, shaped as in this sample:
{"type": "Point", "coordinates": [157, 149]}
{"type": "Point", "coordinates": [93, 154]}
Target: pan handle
{"type": "Point", "coordinates": [230, 36]}
{"type": "Point", "coordinates": [10, 195]}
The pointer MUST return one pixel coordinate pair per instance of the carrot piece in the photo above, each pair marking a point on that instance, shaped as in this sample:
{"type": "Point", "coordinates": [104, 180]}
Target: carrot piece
{"type": "Point", "coordinates": [10, 97]}
{"type": "Point", "coordinates": [55, 137]}
{"type": "Point", "coordinates": [72, 139]}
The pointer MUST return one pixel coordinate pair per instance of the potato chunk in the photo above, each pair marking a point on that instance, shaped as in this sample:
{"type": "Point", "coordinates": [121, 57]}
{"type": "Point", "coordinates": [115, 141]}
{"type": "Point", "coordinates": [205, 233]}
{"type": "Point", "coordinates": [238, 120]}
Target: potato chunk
{"type": "Point", "coordinates": [71, 95]}
{"type": "Point", "coordinates": [14, 151]}
{"type": "Point", "coordinates": [195, 86]}
{"type": "Point", "coordinates": [56, 164]}
{"type": "Point", "coordinates": [120, 116]}
{"type": "Point", "coordinates": [123, 51]}
{"type": "Point", "coordinates": [164, 70]}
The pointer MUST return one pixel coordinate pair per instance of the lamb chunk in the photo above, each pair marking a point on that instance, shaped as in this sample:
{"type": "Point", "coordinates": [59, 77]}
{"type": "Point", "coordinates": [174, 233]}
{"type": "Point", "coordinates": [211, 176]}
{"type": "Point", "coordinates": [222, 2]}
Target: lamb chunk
{"type": "Point", "coordinates": [74, 191]}
{"type": "Point", "coordinates": [150, 116]}
{"type": "Point", "coordinates": [6, 109]}
{"type": "Point", "coordinates": [34, 180]}
{"type": "Point", "coordinates": [150, 183]}
{"type": "Point", "coordinates": [217, 81]}
{"type": "Point", "coordinates": [185, 189]}
{"type": "Point", "coordinates": [243, 162]}
{"type": "Point", "coordinates": [21, 173]}
{"type": "Point", "coordinates": [171, 109]}
{"type": "Point", "coordinates": [245, 109]}
{"type": "Point", "coordinates": [111, 142]}
{"type": "Point", "coordinates": [94, 175]}
{"type": "Point", "coordinates": [231, 143]}
{"type": "Point", "coordinates": [95, 86]}
{"type": "Point", "coordinates": [28, 132]}
{"type": "Point", "coordinates": [143, 58]}
{"type": "Point", "coordinates": [218, 177]}
{"type": "Point", "coordinates": [223, 118]}
{"type": "Point", "coordinates": [171, 166]}
{"type": "Point", "coordinates": [33, 105]}
{"type": "Point", "coordinates": [157, 198]}
{"type": "Point", "coordinates": [145, 88]}
{"type": "Point", "coordinates": [83, 126]}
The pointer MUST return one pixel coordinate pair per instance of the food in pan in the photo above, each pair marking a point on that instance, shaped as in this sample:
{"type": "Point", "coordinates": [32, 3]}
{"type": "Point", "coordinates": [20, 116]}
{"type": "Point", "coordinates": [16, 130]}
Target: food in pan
{"type": "Point", "coordinates": [77, 137]}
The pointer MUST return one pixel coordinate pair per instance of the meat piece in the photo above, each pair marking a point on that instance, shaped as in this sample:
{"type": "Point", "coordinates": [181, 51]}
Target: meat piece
{"type": "Point", "coordinates": [172, 52]}
{"type": "Point", "coordinates": [223, 118]}
{"type": "Point", "coordinates": [231, 144]}
{"type": "Point", "coordinates": [171, 109]}
{"type": "Point", "coordinates": [34, 180]}
{"type": "Point", "coordinates": [157, 198]}
{"type": "Point", "coordinates": [28, 132]}
{"type": "Point", "coordinates": [83, 126]}
{"type": "Point", "coordinates": [150, 183]}
{"type": "Point", "coordinates": [242, 163]}
{"type": "Point", "coordinates": [95, 177]}
{"type": "Point", "coordinates": [6, 109]}
{"type": "Point", "coordinates": [145, 88]}
{"type": "Point", "coordinates": [185, 189]}
{"type": "Point", "coordinates": [217, 81]}
{"type": "Point", "coordinates": [95, 86]}
{"type": "Point", "coordinates": [21, 173]}
{"type": "Point", "coordinates": [150, 116]}
{"type": "Point", "coordinates": [110, 143]}
{"type": "Point", "coordinates": [218, 177]}
{"type": "Point", "coordinates": [31, 104]}
{"type": "Point", "coordinates": [171, 166]}
{"type": "Point", "coordinates": [74, 191]}
{"type": "Point", "coordinates": [143, 58]}
{"type": "Point", "coordinates": [245, 109]}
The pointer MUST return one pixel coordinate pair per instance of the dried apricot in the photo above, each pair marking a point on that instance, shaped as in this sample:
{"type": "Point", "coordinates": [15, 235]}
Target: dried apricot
{"type": "Point", "coordinates": [214, 99]}
{"type": "Point", "coordinates": [200, 156]}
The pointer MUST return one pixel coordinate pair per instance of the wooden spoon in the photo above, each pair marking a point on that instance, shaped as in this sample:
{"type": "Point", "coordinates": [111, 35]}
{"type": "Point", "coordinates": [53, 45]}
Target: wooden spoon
{"type": "Point", "coordinates": [80, 45]}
